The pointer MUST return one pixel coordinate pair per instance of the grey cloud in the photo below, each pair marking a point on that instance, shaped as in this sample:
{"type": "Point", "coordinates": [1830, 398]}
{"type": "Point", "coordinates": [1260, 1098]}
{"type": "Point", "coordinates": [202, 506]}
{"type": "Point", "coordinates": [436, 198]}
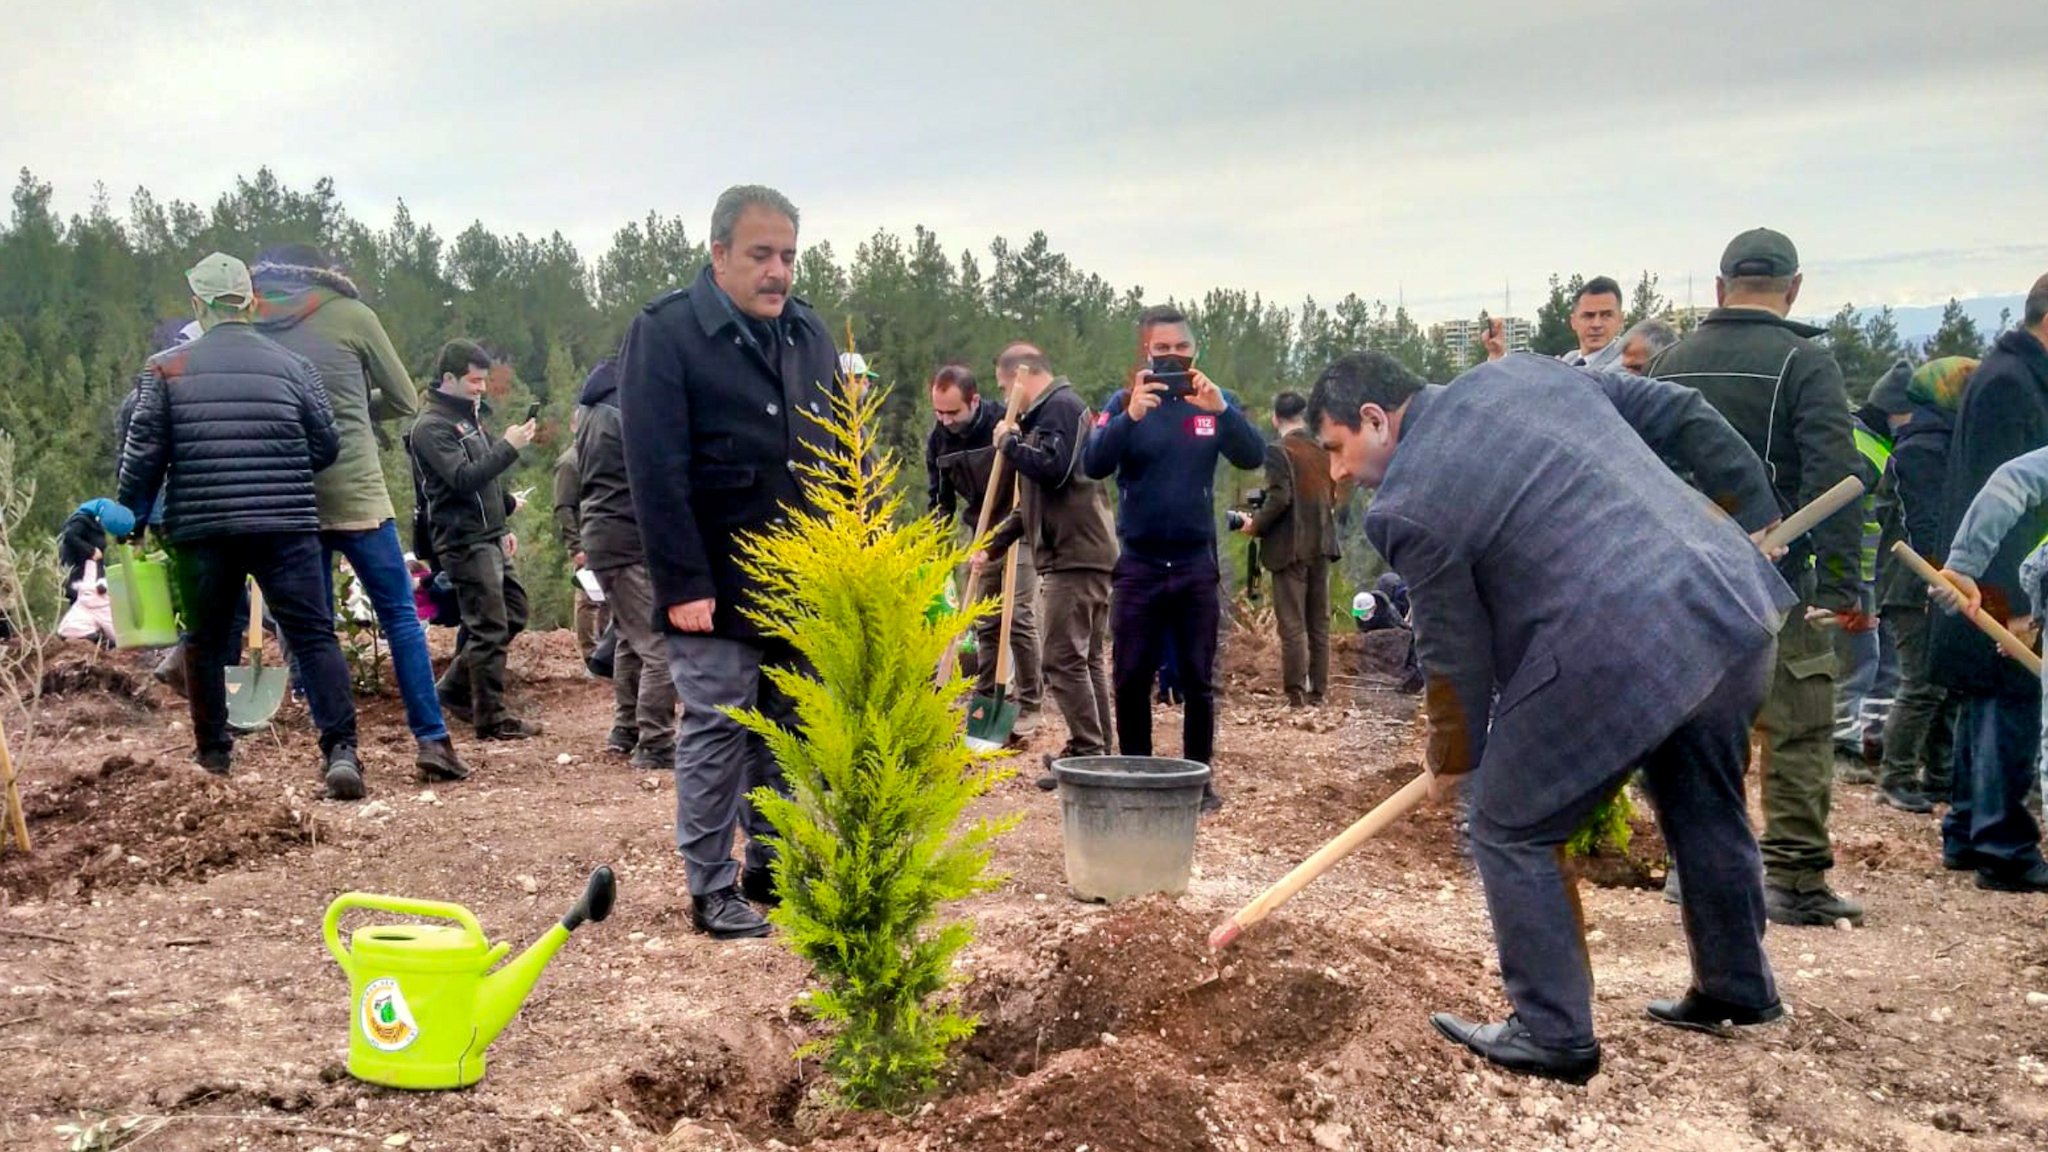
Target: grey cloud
{"type": "Point", "coordinates": [1290, 149]}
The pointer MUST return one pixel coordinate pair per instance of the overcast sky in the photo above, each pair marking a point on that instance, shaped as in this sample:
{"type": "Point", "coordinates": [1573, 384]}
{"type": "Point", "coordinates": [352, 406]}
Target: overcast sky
{"type": "Point", "coordinates": [1434, 151]}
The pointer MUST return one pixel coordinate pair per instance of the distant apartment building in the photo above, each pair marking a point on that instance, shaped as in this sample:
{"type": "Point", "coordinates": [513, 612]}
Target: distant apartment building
{"type": "Point", "coordinates": [1687, 319]}
{"type": "Point", "coordinates": [1463, 337]}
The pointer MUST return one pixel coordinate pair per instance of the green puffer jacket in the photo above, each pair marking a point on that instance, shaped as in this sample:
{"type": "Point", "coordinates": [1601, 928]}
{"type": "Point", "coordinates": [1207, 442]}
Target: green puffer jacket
{"type": "Point", "coordinates": [318, 314]}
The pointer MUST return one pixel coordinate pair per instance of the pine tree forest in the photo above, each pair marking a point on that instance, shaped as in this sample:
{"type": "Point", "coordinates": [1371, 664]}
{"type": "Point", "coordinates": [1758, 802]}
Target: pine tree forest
{"type": "Point", "coordinates": [79, 299]}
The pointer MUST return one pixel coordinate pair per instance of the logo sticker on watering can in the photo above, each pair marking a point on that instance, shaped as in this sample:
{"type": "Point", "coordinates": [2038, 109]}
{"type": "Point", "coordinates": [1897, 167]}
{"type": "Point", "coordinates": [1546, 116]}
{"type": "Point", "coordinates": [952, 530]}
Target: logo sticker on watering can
{"type": "Point", "coordinates": [387, 1019]}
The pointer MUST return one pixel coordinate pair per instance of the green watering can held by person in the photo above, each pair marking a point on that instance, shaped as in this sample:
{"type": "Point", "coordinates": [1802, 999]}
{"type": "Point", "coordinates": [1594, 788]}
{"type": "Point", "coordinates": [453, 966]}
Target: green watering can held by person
{"type": "Point", "coordinates": [423, 1001]}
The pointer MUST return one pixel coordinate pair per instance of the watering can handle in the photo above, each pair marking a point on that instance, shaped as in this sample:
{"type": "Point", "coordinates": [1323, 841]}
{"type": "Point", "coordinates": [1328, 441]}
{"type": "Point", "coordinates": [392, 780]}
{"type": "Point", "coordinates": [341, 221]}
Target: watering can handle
{"type": "Point", "coordinates": [439, 910]}
{"type": "Point", "coordinates": [130, 592]}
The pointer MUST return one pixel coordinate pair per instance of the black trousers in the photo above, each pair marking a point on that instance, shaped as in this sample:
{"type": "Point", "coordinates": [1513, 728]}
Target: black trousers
{"type": "Point", "coordinates": [212, 578]}
{"type": "Point", "coordinates": [493, 606]}
{"type": "Point", "coordinates": [1150, 603]}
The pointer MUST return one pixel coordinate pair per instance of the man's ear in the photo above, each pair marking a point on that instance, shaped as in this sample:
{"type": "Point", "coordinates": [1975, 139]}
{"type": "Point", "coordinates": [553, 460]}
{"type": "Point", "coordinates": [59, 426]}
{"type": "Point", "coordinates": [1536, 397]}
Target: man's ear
{"type": "Point", "coordinates": [1798, 278]}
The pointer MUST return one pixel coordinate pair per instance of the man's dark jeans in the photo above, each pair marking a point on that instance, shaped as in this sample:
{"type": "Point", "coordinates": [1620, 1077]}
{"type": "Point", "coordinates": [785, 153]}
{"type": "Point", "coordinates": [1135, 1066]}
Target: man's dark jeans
{"type": "Point", "coordinates": [212, 577]}
{"type": "Point", "coordinates": [493, 612]}
{"type": "Point", "coordinates": [1988, 823]}
{"type": "Point", "coordinates": [379, 563]}
{"type": "Point", "coordinates": [1151, 602]}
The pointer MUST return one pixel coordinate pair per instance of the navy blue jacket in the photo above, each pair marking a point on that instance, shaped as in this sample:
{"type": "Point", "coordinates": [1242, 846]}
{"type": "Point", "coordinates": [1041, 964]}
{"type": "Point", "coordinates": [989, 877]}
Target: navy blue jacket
{"type": "Point", "coordinates": [716, 420]}
{"type": "Point", "coordinates": [1165, 468]}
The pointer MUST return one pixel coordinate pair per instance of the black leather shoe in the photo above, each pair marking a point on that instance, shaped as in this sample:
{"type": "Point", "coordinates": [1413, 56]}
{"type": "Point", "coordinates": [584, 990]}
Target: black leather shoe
{"type": "Point", "coordinates": [758, 885]}
{"type": "Point", "coordinates": [726, 915]}
{"type": "Point", "coordinates": [2033, 879]}
{"type": "Point", "coordinates": [1963, 861]}
{"type": "Point", "coordinates": [436, 760]}
{"type": "Point", "coordinates": [215, 762]}
{"type": "Point", "coordinates": [1819, 908]}
{"type": "Point", "coordinates": [1905, 800]}
{"type": "Point", "coordinates": [1212, 800]}
{"type": "Point", "coordinates": [1703, 1013]}
{"type": "Point", "coordinates": [343, 774]}
{"type": "Point", "coordinates": [1509, 1045]}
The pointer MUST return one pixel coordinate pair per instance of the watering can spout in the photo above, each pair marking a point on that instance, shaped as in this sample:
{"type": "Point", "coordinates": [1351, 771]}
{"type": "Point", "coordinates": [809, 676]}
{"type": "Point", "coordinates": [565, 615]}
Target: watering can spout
{"type": "Point", "coordinates": [506, 989]}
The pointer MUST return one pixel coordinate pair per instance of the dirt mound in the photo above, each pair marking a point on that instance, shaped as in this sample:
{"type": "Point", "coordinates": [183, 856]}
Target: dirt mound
{"type": "Point", "coordinates": [1290, 998]}
{"type": "Point", "coordinates": [70, 674]}
{"type": "Point", "coordinates": [132, 822]}
{"type": "Point", "coordinates": [1129, 1100]}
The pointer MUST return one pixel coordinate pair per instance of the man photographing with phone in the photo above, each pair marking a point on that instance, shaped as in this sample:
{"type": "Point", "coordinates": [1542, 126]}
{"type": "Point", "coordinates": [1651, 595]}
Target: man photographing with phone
{"type": "Point", "coordinates": [1161, 438]}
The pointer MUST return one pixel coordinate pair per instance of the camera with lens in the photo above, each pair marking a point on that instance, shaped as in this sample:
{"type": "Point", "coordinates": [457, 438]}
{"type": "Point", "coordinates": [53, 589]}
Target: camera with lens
{"type": "Point", "coordinates": [1237, 518]}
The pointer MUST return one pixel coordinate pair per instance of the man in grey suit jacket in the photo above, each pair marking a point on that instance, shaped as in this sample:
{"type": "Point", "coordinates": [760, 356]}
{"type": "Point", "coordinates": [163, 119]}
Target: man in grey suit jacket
{"type": "Point", "coordinates": [1579, 612]}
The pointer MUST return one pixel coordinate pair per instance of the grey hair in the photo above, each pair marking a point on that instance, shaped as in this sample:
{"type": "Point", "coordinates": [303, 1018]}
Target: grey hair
{"type": "Point", "coordinates": [738, 199]}
{"type": "Point", "coordinates": [1656, 335]}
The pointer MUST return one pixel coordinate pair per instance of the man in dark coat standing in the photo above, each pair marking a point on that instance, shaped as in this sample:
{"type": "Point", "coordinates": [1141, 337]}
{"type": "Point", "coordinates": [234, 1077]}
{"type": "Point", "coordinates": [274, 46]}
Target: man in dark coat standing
{"type": "Point", "coordinates": [1763, 372]}
{"type": "Point", "coordinates": [1581, 613]}
{"type": "Point", "coordinates": [1998, 730]}
{"type": "Point", "coordinates": [610, 533]}
{"type": "Point", "coordinates": [716, 386]}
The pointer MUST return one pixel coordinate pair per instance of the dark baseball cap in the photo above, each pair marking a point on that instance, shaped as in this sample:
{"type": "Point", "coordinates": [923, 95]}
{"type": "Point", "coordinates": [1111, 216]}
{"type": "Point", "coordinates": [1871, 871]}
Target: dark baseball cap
{"type": "Point", "coordinates": [1760, 252]}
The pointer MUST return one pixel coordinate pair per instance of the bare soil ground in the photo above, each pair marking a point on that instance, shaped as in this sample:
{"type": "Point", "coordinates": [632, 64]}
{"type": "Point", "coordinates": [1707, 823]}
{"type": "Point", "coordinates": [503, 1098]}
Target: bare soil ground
{"type": "Point", "coordinates": [160, 960]}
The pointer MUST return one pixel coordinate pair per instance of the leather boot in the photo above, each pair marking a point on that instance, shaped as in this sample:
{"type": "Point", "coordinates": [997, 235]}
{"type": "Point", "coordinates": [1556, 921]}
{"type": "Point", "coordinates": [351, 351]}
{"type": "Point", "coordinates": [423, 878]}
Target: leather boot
{"type": "Point", "coordinates": [436, 760]}
{"type": "Point", "coordinates": [343, 773]}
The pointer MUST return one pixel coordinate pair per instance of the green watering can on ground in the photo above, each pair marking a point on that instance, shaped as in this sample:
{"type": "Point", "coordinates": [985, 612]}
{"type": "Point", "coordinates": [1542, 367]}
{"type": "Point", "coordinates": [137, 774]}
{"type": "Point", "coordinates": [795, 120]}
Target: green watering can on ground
{"type": "Point", "coordinates": [139, 592]}
{"type": "Point", "coordinates": [423, 1002]}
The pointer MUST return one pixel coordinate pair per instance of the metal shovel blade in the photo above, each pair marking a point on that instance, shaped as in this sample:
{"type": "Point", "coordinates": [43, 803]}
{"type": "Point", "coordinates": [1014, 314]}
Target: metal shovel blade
{"type": "Point", "coordinates": [254, 694]}
{"type": "Point", "coordinates": [989, 720]}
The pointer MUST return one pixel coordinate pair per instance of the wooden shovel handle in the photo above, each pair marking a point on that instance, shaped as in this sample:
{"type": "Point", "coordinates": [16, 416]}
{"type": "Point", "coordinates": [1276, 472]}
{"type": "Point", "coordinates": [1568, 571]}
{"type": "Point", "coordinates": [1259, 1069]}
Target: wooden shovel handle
{"type": "Point", "coordinates": [255, 617]}
{"type": "Point", "coordinates": [1824, 505]}
{"type": "Point", "coordinates": [1368, 826]}
{"type": "Point", "coordinates": [996, 468]}
{"type": "Point", "coordinates": [2012, 645]}
{"type": "Point", "coordinates": [1009, 606]}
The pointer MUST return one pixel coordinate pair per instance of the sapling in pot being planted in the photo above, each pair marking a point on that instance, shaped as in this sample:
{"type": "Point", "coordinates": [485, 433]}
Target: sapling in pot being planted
{"type": "Point", "coordinates": [873, 839]}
